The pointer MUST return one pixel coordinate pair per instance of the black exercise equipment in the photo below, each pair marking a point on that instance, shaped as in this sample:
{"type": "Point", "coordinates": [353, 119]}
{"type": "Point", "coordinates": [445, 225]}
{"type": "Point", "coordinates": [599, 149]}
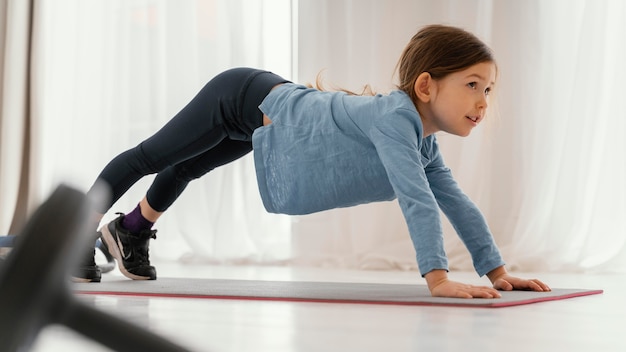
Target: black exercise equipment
{"type": "Point", "coordinates": [34, 282]}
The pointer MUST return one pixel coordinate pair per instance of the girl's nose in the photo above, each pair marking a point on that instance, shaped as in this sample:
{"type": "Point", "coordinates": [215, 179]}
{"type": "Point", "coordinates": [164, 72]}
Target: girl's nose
{"type": "Point", "coordinates": [483, 102]}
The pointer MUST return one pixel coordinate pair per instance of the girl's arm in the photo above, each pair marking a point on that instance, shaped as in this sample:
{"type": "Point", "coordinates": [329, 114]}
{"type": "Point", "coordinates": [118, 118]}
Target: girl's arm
{"type": "Point", "coordinates": [472, 228]}
{"type": "Point", "coordinates": [399, 147]}
{"type": "Point", "coordinates": [467, 220]}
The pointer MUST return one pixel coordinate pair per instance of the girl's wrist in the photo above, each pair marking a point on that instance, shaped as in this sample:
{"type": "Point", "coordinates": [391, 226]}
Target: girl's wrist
{"type": "Point", "coordinates": [496, 273]}
{"type": "Point", "coordinates": [435, 277]}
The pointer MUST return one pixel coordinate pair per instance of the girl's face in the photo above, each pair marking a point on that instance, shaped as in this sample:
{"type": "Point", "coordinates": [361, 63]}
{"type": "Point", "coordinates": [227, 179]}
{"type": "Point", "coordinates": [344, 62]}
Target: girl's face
{"type": "Point", "coordinates": [458, 102]}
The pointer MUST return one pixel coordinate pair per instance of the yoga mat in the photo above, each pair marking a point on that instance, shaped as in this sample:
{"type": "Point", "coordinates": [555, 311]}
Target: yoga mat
{"type": "Point", "coordinates": [303, 291]}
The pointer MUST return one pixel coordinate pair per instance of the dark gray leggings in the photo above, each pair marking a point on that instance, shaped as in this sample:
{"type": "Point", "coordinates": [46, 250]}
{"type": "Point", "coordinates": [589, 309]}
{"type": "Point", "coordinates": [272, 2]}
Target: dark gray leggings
{"type": "Point", "coordinates": [214, 129]}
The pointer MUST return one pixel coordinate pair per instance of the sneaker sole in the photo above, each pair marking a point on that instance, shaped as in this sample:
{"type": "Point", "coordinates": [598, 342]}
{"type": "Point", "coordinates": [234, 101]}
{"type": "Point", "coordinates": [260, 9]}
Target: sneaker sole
{"type": "Point", "coordinates": [77, 279]}
{"type": "Point", "coordinates": [91, 275]}
{"type": "Point", "coordinates": [114, 250]}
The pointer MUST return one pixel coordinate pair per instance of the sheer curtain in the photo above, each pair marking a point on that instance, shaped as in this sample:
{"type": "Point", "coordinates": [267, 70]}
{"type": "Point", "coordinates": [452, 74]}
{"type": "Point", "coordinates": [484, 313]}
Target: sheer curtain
{"type": "Point", "coordinates": [547, 168]}
{"type": "Point", "coordinates": [571, 150]}
{"type": "Point", "coordinates": [113, 72]}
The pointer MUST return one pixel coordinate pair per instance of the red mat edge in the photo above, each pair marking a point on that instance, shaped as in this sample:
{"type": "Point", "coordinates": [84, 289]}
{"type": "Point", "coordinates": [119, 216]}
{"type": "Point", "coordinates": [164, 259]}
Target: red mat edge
{"type": "Point", "coordinates": [344, 301]}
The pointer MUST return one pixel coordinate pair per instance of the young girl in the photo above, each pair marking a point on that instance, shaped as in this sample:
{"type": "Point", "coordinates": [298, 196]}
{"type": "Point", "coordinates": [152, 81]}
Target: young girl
{"type": "Point", "coordinates": [316, 150]}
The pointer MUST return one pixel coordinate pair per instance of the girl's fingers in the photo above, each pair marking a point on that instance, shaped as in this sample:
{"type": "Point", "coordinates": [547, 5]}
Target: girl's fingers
{"type": "Point", "coordinates": [503, 285]}
{"type": "Point", "coordinates": [484, 292]}
{"type": "Point", "coordinates": [540, 284]}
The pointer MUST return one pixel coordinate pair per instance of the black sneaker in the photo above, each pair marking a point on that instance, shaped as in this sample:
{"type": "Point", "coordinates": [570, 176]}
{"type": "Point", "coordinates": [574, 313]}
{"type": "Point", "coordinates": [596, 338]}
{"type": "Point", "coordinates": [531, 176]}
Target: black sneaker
{"type": "Point", "coordinates": [87, 270]}
{"type": "Point", "coordinates": [129, 249]}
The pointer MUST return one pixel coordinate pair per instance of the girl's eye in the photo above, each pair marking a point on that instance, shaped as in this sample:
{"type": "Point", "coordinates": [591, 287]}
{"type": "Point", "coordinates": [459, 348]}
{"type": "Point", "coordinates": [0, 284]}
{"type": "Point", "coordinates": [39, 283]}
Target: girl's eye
{"type": "Point", "coordinates": [472, 85]}
{"type": "Point", "coordinates": [487, 91]}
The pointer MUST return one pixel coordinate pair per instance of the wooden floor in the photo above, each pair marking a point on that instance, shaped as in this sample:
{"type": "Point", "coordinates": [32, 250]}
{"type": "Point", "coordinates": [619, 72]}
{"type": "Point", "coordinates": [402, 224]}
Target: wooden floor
{"type": "Point", "coordinates": [593, 323]}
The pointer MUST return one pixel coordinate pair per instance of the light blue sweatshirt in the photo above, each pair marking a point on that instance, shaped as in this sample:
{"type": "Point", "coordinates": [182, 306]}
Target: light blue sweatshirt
{"type": "Point", "coordinates": [327, 150]}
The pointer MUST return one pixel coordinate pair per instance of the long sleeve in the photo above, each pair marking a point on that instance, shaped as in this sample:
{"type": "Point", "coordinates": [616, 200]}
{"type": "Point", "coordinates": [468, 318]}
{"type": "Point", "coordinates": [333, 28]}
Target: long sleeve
{"type": "Point", "coordinates": [398, 145]}
{"type": "Point", "coordinates": [464, 215]}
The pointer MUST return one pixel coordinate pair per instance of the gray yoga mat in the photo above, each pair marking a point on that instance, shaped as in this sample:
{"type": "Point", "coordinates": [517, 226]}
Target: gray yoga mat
{"type": "Point", "coordinates": [338, 292]}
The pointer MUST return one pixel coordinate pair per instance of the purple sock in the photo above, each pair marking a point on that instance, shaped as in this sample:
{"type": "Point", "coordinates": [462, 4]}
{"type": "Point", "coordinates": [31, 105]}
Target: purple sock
{"type": "Point", "coordinates": [135, 222]}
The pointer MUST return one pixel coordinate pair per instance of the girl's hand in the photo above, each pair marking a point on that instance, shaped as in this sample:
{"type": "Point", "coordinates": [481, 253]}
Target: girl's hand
{"type": "Point", "coordinates": [454, 289]}
{"type": "Point", "coordinates": [509, 283]}
{"type": "Point", "coordinates": [503, 281]}
{"type": "Point", "coordinates": [440, 286]}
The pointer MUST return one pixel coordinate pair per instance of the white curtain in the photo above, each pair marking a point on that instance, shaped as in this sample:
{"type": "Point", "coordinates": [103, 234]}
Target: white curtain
{"type": "Point", "coordinates": [114, 71]}
{"type": "Point", "coordinates": [569, 148]}
{"type": "Point", "coordinates": [547, 168]}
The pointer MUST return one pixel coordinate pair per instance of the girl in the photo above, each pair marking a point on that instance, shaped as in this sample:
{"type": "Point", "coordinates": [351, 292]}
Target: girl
{"type": "Point", "coordinates": [316, 150]}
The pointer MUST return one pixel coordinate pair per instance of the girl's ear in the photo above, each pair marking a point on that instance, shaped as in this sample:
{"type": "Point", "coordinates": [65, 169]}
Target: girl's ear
{"type": "Point", "coordinates": [423, 86]}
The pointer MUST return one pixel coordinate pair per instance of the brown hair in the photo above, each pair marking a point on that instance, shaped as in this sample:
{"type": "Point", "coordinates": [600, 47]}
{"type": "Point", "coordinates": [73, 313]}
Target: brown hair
{"type": "Point", "coordinates": [439, 50]}
{"type": "Point", "coordinates": [319, 85]}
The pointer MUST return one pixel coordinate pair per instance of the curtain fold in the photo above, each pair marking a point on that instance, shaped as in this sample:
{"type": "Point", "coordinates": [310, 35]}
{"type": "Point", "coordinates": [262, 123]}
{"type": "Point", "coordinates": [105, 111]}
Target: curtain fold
{"type": "Point", "coordinates": [16, 38]}
{"type": "Point", "coordinates": [576, 163]}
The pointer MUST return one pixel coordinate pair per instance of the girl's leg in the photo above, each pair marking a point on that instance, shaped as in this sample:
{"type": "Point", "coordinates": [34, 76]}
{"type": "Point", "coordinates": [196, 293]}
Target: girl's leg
{"type": "Point", "coordinates": [185, 149]}
{"type": "Point", "coordinates": [226, 107]}
{"type": "Point", "coordinates": [147, 212]}
{"type": "Point", "coordinates": [195, 129]}
{"type": "Point", "coordinates": [171, 182]}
